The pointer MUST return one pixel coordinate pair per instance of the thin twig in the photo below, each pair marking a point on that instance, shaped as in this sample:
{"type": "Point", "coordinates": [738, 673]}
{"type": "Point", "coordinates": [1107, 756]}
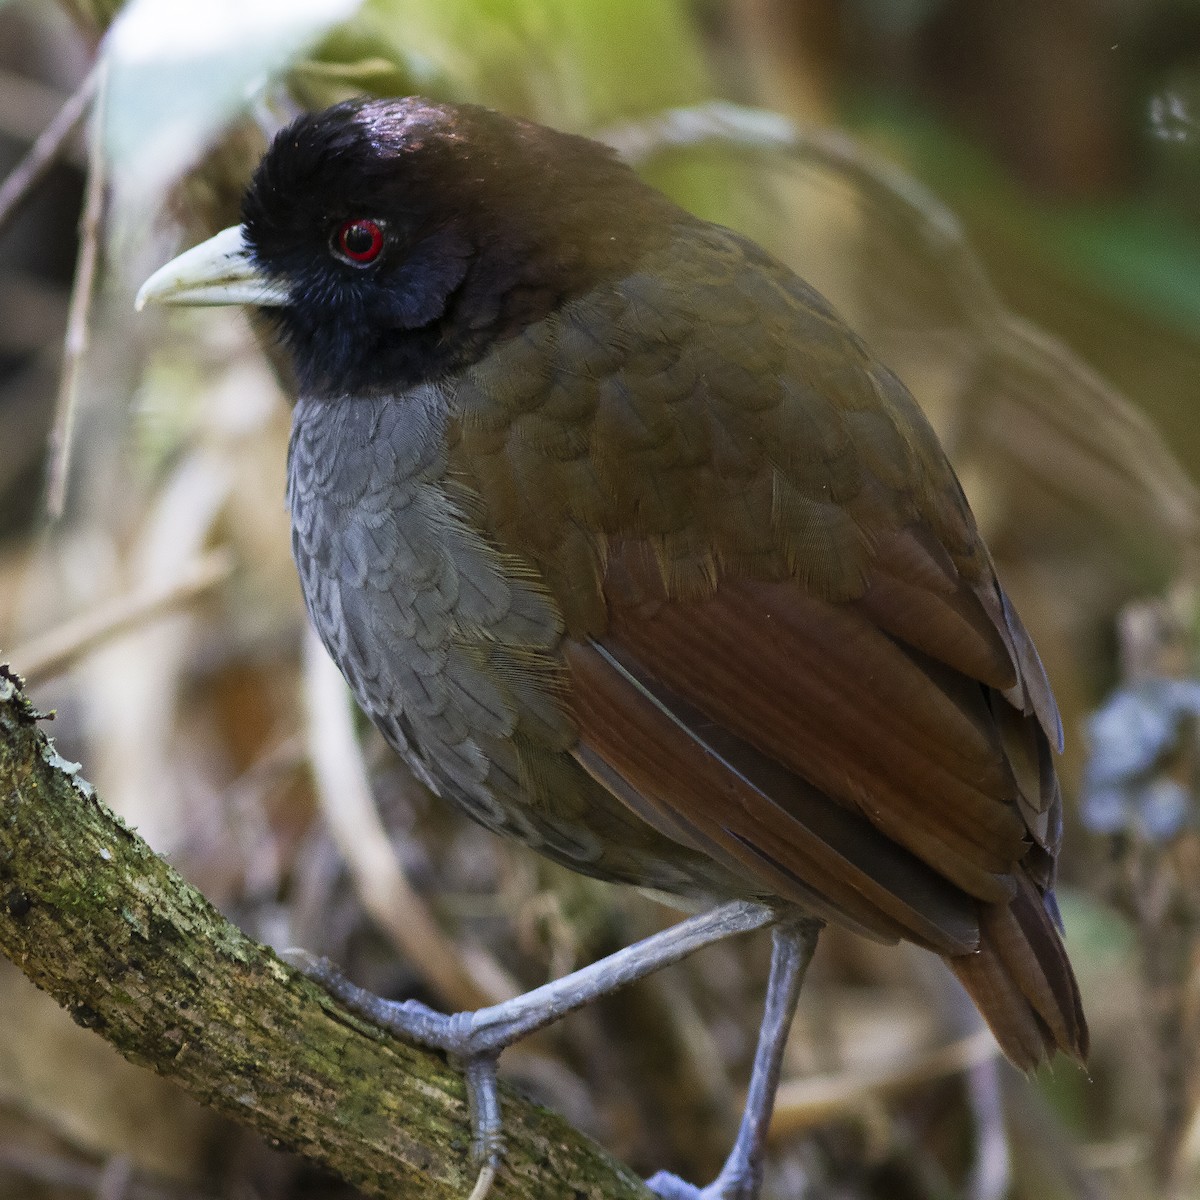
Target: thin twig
{"type": "Point", "coordinates": [802, 1103]}
{"type": "Point", "coordinates": [44, 152]}
{"type": "Point", "coordinates": [27, 105]}
{"type": "Point", "coordinates": [116, 1179]}
{"type": "Point", "coordinates": [1161, 896]}
{"type": "Point", "coordinates": [79, 315]}
{"type": "Point", "coordinates": [991, 1171]}
{"type": "Point", "coordinates": [344, 794]}
{"type": "Point", "coordinates": [54, 651]}
{"type": "Point", "coordinates": [61, 1172]}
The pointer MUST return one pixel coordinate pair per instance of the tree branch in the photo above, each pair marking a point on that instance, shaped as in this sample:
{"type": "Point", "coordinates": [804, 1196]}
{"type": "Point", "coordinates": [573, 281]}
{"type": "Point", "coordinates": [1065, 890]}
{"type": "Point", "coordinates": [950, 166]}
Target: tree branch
{"type": "Point", "coordinates": [94, 917]}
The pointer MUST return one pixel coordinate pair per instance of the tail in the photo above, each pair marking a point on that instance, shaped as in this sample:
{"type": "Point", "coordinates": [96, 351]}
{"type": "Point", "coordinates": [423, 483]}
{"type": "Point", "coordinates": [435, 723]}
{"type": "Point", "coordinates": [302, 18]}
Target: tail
{"type": "Point", "coordinates": [1021, 981]}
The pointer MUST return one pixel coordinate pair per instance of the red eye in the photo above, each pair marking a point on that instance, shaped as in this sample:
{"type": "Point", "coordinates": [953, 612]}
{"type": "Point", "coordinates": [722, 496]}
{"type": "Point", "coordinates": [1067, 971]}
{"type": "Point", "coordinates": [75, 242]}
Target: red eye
{"type": "Point", "coordinates": [359, 241]}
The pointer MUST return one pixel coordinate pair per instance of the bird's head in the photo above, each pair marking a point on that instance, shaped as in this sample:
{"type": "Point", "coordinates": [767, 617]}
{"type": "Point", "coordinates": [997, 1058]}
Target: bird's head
{"type": "Point", "coordinates": [393, 241]}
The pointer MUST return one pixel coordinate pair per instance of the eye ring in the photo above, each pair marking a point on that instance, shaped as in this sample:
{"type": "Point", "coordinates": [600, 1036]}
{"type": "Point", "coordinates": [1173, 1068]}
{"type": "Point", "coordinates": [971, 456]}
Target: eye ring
{"type": "Point", "coordinates": [358, 241]}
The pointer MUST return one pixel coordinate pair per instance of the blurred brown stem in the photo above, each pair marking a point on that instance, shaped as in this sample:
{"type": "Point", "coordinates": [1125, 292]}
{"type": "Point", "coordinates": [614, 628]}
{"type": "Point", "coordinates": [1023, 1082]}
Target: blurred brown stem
{"type": "Point", "coordinates": [803, 1104]}
{"type": "Point", "coordinates": [104, 925]}
{"type": "Point", "coordinates": [61, 647]}
{"type": "Point", "coordinates": [1161, 894]}
{"type": "Point", "coordinates": [80, 311]}
{"type": "Point", "coordinates": [44, 152]}
{"type": "Point", "coordinates": [47, 1170]}
{"type": "Point", "coordinates": [1157, 886]}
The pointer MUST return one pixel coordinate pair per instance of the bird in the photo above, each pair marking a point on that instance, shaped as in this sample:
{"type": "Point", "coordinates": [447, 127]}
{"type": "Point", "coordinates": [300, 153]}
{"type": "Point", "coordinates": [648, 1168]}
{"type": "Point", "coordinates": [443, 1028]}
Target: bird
{"type": "Point", "coordinates": [631, 548]}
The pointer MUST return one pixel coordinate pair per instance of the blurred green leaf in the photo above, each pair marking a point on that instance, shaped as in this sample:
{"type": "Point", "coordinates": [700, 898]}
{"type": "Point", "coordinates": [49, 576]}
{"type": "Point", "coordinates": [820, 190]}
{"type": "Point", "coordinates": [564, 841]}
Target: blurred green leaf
{"type": "Point", "coordinates": [1136, 255]}
{"type": "Point", "coordinates": [318, 84]}
{"type": "Point", "coordinates": [1096, 933]}
{"type": "Point", "coordinates": [574, 64]}
{"type": "Point", "coordinates": [178, 73]}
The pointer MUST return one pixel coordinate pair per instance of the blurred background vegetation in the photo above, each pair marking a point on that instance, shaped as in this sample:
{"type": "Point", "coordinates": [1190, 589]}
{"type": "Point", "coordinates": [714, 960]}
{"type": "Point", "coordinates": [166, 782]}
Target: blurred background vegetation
{"type": "Point", "coordinates": [1003, 198]}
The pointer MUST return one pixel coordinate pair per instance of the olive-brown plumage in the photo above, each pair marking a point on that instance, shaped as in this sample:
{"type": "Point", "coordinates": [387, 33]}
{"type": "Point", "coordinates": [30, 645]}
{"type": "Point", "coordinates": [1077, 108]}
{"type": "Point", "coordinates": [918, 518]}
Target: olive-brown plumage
{"type": "Point", "coordinates": [653, 567]}
{"type": "Point", "coordinates": [630, 547]}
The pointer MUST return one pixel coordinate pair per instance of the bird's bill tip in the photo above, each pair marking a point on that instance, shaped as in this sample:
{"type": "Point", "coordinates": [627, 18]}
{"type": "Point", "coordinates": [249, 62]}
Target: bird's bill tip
{"type": "Point", "coordinates": [219, 271]}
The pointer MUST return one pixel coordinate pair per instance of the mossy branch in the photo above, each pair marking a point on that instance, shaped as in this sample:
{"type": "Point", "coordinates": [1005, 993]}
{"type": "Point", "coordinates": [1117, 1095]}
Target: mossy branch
{"type": "Point", "coordinates": [92, 915]}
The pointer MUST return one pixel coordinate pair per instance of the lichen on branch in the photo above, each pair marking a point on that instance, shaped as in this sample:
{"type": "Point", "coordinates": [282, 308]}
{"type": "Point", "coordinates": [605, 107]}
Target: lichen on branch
{"type": "Point", "coordinates": [93, 916]}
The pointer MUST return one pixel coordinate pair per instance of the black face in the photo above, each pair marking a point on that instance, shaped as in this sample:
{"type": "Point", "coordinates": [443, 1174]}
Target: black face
{"type": "Point", "coordinates": [412, 236]}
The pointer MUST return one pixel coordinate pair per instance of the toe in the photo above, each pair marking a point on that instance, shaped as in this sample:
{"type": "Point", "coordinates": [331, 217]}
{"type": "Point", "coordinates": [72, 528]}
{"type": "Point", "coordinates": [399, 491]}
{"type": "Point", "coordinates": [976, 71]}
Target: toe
{"type": "Point", "coordinates": [671, 1187]}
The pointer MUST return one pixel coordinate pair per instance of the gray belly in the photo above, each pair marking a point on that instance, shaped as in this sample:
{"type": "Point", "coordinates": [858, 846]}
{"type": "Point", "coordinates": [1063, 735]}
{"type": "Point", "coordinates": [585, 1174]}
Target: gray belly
{"type": "Point", "coordinates": [413, 604]}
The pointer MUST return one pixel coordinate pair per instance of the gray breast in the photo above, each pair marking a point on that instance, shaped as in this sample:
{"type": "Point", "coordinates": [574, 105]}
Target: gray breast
{"type": "Point", "coordinates": [446, 649]}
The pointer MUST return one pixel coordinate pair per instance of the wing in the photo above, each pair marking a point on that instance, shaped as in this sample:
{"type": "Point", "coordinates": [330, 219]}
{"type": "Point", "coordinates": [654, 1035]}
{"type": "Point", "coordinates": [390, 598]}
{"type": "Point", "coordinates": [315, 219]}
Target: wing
{"type": "Point", "coordinates": [786, 643]}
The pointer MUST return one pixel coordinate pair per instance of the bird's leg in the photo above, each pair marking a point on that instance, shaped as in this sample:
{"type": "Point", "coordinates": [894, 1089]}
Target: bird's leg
{"type": "Point", "coordinates": [740, 1178]}
{"type": "Point", "coordinates": [477, 1038]}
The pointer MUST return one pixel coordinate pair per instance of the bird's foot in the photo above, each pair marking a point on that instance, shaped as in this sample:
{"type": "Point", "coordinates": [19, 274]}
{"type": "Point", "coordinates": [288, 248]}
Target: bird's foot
{"type": "Point", "coordinates": [476, 1038]}
{"type": "Point", "coordinates": [792, 946]}
{"type": "Point", "coordinates": [454, 1033]}
{"type": "Point", "coordinates": [737, 1181]}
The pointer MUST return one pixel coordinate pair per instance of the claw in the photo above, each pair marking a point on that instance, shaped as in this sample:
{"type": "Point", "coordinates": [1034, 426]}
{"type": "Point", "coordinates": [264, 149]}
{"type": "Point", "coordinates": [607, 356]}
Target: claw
{"type": "Point", "coordinates": [727, 1186]}
{"type": "Point", "coordinates": [483, 1100]}
{"type": "Point", "coordinates": [487, 1135]}
{"type": "Point", "coordinates": [305, 961]}
{"type": "Point", "coordinates": [670, 1187]}
{"type": "Point", "coordinates": [483, 1185]}
{"type": "Point", "coordinates": [451, 1033]}
{"type": "Point", "coordinates": [476, 1038]}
